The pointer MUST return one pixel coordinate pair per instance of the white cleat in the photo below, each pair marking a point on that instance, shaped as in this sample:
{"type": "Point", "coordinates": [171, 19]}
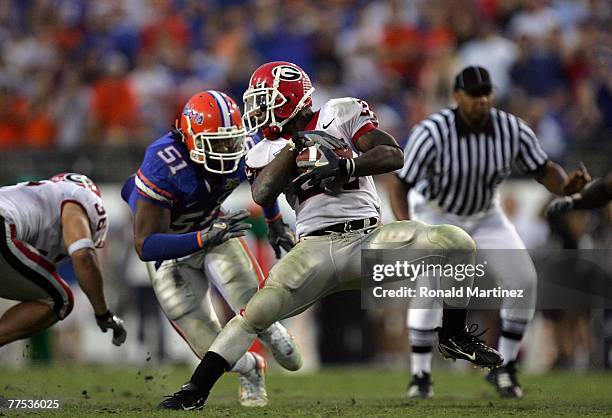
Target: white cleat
{"type": "Point", "coordinates": [252, 392]}
{"type": "Point", "coordinates": [282, 345]}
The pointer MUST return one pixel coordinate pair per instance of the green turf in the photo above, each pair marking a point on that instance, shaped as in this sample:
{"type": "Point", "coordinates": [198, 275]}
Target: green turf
{"type": "Point", "coordinates": [101, 391]}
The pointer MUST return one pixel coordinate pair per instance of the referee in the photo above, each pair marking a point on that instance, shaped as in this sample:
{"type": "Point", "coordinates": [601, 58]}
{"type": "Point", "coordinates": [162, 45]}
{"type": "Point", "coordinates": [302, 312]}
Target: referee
{"type": "Point", "coordinates": [455, 159]}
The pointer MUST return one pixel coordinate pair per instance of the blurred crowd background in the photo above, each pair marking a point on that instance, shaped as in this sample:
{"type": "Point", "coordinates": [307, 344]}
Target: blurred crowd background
{"type": "Point", "coordinates": [114, 73]}
{"type": "Point", "coordinates": [86, 85]}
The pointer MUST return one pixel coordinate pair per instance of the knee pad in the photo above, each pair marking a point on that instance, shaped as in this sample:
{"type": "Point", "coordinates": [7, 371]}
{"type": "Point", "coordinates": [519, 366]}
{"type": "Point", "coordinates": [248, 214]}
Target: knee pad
{"type": "Point", "coordinates": [265, 308]}
{"type": "Point", "coordinates": [451, 237]}
{"type": "Point", "coordinates": [176, 298]}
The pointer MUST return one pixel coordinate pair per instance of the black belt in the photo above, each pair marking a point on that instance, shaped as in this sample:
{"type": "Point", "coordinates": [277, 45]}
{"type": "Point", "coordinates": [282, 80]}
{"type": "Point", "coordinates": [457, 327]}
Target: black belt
{"type": "Point", "coordinates": [347, 226]}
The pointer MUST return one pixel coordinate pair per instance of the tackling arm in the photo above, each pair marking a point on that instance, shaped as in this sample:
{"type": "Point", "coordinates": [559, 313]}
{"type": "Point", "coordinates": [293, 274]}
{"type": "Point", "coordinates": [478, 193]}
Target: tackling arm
{"type": "Point", "coordinates": [153, 243]}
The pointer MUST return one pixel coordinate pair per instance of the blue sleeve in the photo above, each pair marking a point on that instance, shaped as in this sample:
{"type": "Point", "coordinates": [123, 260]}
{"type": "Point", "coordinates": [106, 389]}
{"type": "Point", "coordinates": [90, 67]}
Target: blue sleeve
{"type": "Point", "coordinates": [272, 213]}
{"type": "Point", "coordinates": [160, 246]}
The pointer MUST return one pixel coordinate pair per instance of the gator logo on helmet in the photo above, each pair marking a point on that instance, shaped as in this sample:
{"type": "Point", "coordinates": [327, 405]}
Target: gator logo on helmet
{"type": "Point", "coordinates": [194, 115]}
{"type": "Point", "coordinates": [287, 73]}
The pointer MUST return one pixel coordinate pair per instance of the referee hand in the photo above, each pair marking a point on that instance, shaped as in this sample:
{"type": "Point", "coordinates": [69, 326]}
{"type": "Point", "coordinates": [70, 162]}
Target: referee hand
{"type": "Point", "coordinates": [576, 181]}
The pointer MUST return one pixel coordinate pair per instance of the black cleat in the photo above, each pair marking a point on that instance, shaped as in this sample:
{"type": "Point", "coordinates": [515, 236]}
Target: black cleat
{"type": "Point", "coordinates": [467, 346]}
{"type": "Point", "coordinates": [420, 387]}
{"type": "Point", "coordinates": [504, 380]}
{"type": "Point", "coordinates": [186, 399]}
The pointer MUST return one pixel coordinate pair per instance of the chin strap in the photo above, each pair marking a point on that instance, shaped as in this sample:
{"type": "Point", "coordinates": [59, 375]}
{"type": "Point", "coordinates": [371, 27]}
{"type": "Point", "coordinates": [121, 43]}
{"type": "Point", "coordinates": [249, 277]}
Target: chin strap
{"type": "Point", "coordinates": [271, 132]}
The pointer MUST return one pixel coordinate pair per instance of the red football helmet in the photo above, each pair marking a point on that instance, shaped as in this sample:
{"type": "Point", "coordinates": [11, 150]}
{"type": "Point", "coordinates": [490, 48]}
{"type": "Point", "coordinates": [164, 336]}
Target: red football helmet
{"type": "Point", "coordinates": [211, 126]}
{"type": "Point", "coordinates": [277, 92]}
{"type": "Point", "coordinates": [80, 179]}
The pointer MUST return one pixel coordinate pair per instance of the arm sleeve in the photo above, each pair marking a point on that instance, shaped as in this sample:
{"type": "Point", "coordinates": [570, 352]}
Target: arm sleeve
{"type": "Point", "coordinates": [531, 157]}
{"type": "Point", "coordinates": [272, 213]}
{"type": "Point", "coordinates": [419, 154]}
{"type": "Point", "coordinates": [158, 246]}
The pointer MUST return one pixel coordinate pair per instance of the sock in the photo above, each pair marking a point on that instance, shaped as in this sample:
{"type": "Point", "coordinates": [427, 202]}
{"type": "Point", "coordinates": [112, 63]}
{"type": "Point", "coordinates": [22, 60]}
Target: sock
{"type": "Point", "coordinates": [510, 340]}
{"type": "Point", "coordinates": [420, 361]}
{"type": "Point", "coordinates": [453, 319]}
{"type": "Point", "coordinates": [245, 364]}
{"type": "Point", "coordinates": [210, 369]}
{"type": "Point", "coordinates": [422, 341]}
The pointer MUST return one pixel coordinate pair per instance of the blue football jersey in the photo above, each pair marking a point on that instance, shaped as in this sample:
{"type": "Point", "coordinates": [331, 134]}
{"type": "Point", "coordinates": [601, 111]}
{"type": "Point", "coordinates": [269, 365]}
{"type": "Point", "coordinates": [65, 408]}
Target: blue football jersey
{"type": "Point", "coordinates": [169, 178]}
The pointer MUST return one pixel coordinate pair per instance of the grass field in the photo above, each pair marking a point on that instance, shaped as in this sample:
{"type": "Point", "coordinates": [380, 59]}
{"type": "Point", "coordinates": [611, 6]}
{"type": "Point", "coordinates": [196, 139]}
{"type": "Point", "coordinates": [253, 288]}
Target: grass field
{"type": "Point", "coordinates": [101, 391]}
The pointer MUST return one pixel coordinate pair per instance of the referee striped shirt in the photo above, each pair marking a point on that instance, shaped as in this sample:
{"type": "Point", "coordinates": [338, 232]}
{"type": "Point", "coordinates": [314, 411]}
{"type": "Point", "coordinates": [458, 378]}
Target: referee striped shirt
{"type": "Point", "coordinates": [460, 168]}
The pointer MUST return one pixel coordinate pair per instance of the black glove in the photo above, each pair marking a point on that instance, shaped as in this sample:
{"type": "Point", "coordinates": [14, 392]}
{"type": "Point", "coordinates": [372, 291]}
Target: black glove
{"type": "Point", "coordinates": [329, 177]}
{"type": "Point", "coordinates": [225, 227]}
{"type": "Point", "coordinates": [108, 321]}
{"type": "Point", "coordinates": [305, 139]}
{"type": "Point", "coordinates": [559, 205]}
{"type": "Point", "coordinates": [280, 235]}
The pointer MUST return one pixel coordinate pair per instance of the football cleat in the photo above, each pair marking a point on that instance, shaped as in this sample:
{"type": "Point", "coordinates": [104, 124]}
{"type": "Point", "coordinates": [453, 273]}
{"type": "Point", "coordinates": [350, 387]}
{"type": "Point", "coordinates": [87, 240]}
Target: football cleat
{"type": "Point", "coordinates": [189, 398]}
{"type": "Point", "coordinates": [466, 345]}
{"type": "Point", "coordinates": [252, 390]}
{"type": "Point", "coordinates": [282, 345]}
{"type": "Point", "coordinates": [420, 387]}
{"type": "Point", "coordinates": [505, 381]}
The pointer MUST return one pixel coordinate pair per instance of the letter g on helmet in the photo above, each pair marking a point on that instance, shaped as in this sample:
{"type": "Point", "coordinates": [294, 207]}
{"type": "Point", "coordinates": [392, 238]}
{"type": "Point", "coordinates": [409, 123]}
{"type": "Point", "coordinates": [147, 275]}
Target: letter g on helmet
{"type": "Point", "coordinates": [277, 92]}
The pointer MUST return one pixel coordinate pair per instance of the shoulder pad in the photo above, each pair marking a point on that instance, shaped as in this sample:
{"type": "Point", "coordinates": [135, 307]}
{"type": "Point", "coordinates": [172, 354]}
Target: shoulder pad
{"type": "Point", "coordinates": [263, 152]}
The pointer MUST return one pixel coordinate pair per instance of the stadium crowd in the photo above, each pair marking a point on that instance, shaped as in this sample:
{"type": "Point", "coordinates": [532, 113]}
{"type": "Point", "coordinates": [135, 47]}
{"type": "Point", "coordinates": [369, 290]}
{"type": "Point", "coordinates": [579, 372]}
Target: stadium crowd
{"type": "Point", "coordinates": [75, 72]}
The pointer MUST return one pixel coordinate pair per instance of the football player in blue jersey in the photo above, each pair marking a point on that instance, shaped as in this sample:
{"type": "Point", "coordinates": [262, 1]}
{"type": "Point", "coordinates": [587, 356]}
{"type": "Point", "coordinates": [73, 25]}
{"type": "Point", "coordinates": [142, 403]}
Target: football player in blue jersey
{"type": "Point", "coordinates": [190, 243]}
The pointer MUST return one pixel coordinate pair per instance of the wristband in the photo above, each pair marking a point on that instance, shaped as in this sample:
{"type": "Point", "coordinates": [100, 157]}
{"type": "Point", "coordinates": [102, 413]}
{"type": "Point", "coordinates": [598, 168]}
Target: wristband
{"type": "Point", "coordinates": [105, 316]}
{"type": "Point", "coordinates": [80, 244]}
{"type": "Point", "coordinates": [272, 214]}
{"type": "Point", "coordinates": [350, 167]}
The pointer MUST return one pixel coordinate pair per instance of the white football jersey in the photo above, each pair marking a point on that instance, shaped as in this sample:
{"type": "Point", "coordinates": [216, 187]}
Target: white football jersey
{"type": "Point", "coordinates": [35, 209]}
{"type": "Point", "coordinates": [346, 119]}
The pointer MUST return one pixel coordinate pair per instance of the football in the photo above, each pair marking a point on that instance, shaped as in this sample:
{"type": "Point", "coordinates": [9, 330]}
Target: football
{"type": "Point", "coordinates": [311, 157]}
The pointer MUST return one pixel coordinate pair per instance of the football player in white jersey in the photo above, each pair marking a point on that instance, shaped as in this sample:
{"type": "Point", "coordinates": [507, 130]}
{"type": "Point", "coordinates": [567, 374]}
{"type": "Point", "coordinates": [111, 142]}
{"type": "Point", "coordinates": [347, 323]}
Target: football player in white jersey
{"type": "Point", "coordinates": [41, 223]}
{"type": "Point", "coordinates": [338, 215]}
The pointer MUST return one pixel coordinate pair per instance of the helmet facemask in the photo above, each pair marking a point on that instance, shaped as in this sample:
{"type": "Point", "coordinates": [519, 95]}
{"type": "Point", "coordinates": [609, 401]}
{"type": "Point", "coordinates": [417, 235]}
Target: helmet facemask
{"type": "Point", "coordinates": [219, 152]}
{"type": "Point", "coordinates": [259, 106]}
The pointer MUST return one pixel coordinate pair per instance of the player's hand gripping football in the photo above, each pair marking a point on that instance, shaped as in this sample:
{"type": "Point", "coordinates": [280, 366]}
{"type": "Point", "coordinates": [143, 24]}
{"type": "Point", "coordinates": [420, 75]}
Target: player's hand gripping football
{"type": "Point", "coordinates": [329, 177]}
{"type": "Point", "coordinates": [280, 236]}
{"type": "Point", "coordinates": [224, 228]}
{"type": "Point", "coordinates": [322, 139]}
{"type": "Point", "coordinates": [576, 181]}
{"type": "Point", "coordinates": [108, 321]}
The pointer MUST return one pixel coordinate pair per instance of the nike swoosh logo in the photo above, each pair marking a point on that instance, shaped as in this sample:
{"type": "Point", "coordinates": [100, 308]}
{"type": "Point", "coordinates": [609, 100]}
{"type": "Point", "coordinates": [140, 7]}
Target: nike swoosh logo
{"type": "Point", "coordinates": [456, 350]}
{"type": "Point", "coordinates": [329, 123]}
